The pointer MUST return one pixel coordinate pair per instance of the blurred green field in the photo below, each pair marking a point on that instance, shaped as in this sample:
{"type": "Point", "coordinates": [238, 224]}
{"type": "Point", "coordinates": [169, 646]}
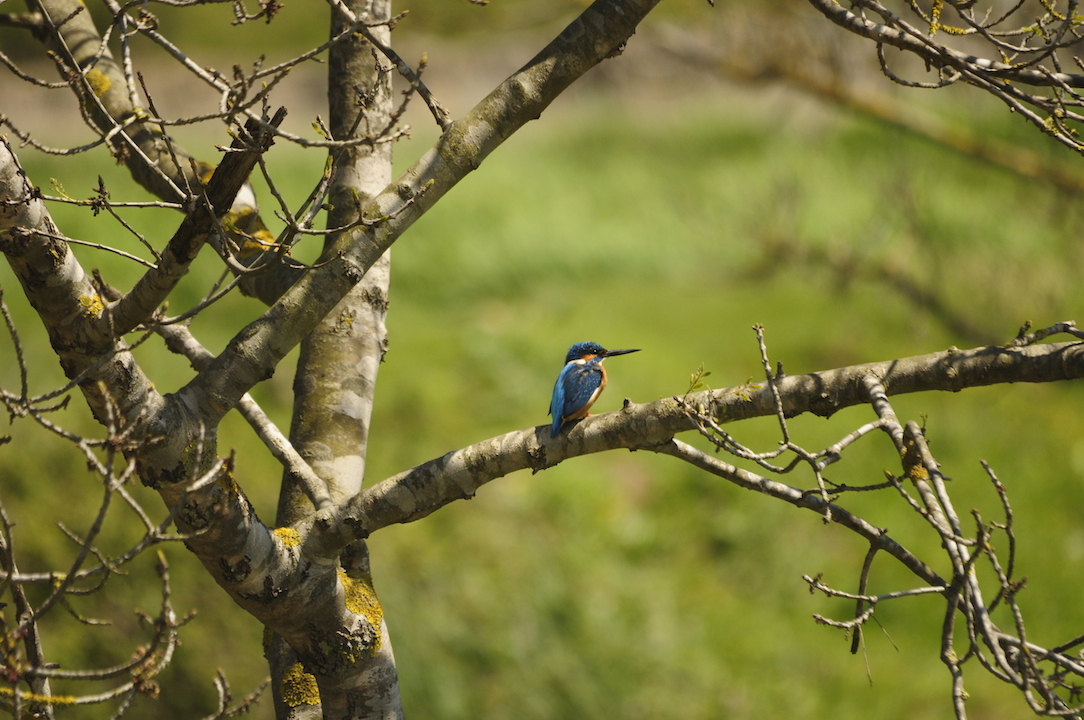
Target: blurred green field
{"type": "Point", "coordinates": [626, 585]}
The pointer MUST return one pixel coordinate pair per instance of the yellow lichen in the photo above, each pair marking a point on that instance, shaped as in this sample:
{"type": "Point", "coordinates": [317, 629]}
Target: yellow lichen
{"type": "Point", "coordinates": [360, 599]}
{"type": "Point", "coordinates": [912, 462]}
{"type": "Point", "coordinates": [35, 698]}
{"type": "Point", "coordinates": [92, 305]}
{"type": "Point", "coordinates": [254, 242]}
{"type": "Point", "coordinates": [918, 473]}
{"type": "Point", "coordinates": [205, 170]}
{"type": "Point", "coordinates": [98, 82]}
{"type": "Point", "coordinates": [288, 536]}
{"type": "Point", "coordinates": [228, 482]}
{"type": "Point", "coordinates": [345, 320]}
{"type": "Point", "coordinates": [299, 687]}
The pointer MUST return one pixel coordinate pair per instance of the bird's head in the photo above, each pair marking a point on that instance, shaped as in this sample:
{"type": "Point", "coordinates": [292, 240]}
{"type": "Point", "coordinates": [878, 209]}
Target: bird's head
{"type": "Point", "coordinates": [583, 350]}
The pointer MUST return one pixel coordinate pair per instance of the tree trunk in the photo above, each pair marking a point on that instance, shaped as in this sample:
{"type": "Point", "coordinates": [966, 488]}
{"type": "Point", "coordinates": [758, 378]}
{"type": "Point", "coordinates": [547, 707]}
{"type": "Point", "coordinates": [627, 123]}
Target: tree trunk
{"type": "Point", "coordinates": [337, 369]}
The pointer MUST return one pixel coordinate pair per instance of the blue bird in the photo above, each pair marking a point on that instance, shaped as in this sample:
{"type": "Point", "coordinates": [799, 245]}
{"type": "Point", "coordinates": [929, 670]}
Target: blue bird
{"type": "Point", "coordinates": [580, 383]}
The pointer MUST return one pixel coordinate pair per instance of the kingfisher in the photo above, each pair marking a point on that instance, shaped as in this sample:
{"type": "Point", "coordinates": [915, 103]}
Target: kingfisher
{"type": "Point", "coordinates": [580, 383]}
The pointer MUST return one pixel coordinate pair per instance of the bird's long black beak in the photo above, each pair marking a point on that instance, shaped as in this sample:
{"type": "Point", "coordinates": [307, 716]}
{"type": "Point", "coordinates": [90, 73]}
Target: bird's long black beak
{"type": "Point", "coordinates": [611, 353]}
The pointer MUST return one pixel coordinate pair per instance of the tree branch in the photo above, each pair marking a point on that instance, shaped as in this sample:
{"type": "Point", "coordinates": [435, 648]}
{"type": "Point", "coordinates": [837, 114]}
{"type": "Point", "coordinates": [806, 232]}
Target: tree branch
{"type": "Point", "coordinates": [181, 341]}
{"type": "Point", "coordinates": [155, 285]}
{"type": "Point", "coordinates": [104, 97]}
{"type": "Point", "coordinates": [419, 491]}
{"type": "Point", "coordinates": [796, 70]}
{"type": "Point", "coordinates": [940, 56]}
{"type": "Point", "coordinates": [1055, 113]}
{"type": "Point", "coordinates": [600, 32]}
{"type": "Point", "coordinates": [68, 303]}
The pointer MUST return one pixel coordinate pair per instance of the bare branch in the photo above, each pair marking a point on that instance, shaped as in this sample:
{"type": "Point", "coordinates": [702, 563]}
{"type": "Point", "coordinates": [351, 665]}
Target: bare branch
{"type": "Point", "coordinates": [414, 78]}
{"type": "Point", "coordinates": [597, 34]}
{"type": "Point", "coordinates": [137, 306]}
{"type": "Point", "coordinates": [417, 492]}
{"type": "Point", "coordinates": [180, 340]}
{"type": "Point", "coordinates": [1033, 60]}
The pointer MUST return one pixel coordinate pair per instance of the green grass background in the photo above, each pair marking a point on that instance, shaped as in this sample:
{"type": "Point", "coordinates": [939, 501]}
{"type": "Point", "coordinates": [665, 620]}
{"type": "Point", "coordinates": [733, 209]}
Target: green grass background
{"type": "Point", "coordinates": [627, 585]}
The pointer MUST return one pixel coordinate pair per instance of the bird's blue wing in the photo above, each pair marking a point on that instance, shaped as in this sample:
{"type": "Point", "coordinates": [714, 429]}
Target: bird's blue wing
{"type": "Point", "coordinates": [575, 389]}
{"type": "Point", "coordinates": [557, 402]}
